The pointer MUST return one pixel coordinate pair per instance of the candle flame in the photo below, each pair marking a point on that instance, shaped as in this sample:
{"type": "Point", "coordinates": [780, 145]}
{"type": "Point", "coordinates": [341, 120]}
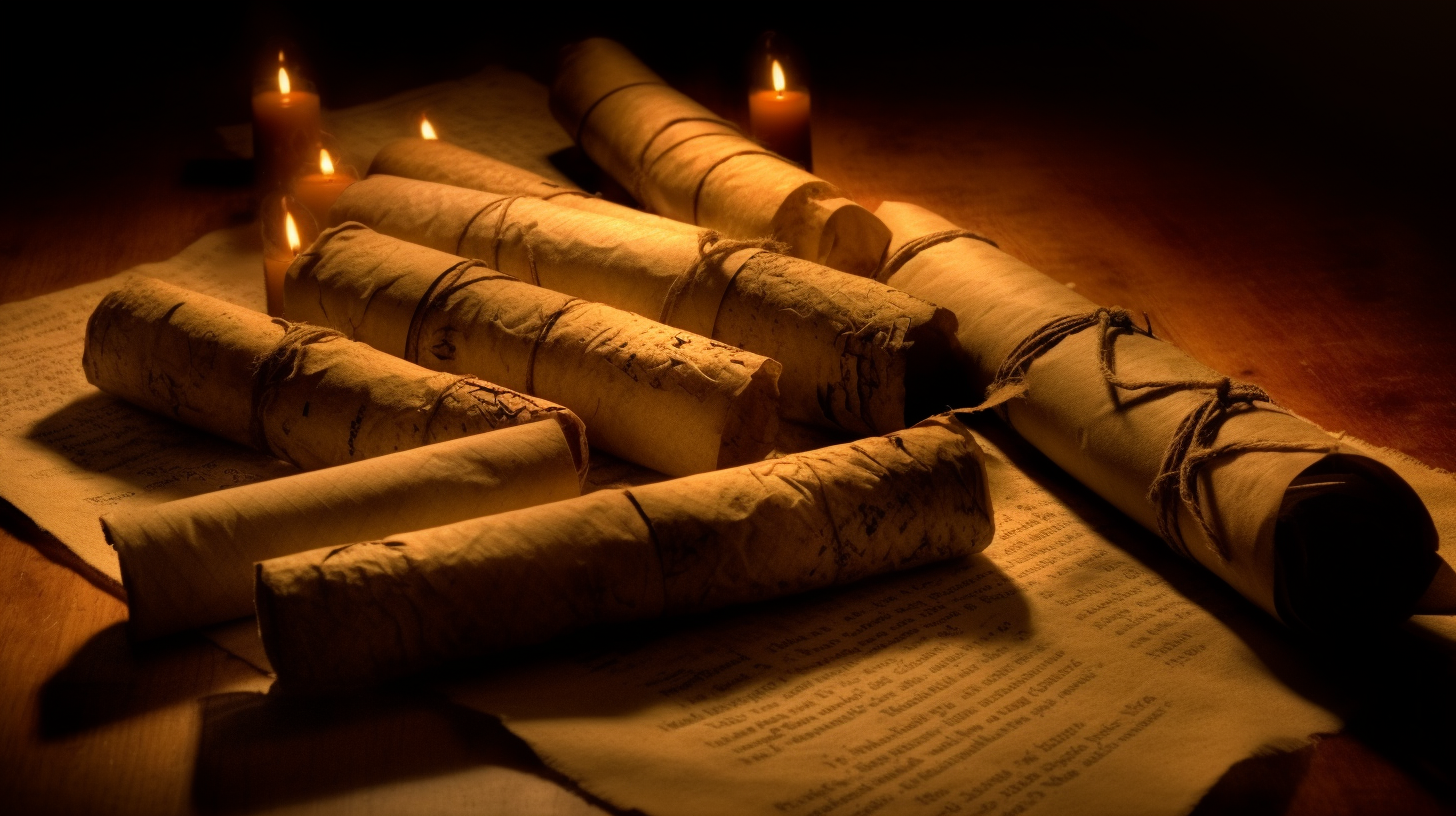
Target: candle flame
{"type": "Point", "coordinates": [779, 82]}
{"type": "Point", "coordinates": [284, 85]}
{"type": "Point", "coordinates": [326, 164]}
{"type": "Point", "coordinates": [280, 55]}
{"type": "Point", "coordinates": [291, 229]}
{"type": "Point", "coordinates": [427, 130]}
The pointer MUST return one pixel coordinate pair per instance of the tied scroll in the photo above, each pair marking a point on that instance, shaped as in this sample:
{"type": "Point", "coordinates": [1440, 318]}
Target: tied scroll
{"type": "Point", "coordinates": [663, 398]}
{"type": "Point", "coordinates": [188, 564]}
{"type": "Point", "coordinates": [445, 163]}
{"type": "Point", "coordinates": [856, 355]}
{"type": "Point", "coordinates": [1323, 538]}
{"type": "Point", "coordinates": [380, 609]}
{"type": "Point", "coordinates": [682, 161]}
{"type": "Point", "coordinates": [303, 394]}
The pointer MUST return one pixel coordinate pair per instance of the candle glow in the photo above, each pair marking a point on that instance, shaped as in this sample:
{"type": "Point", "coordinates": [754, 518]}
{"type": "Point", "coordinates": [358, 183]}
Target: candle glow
{"type": "Point", "coordinates": [779, 83]}
{"type": "Point", "coordinates": [291, 230]}
{"type": "Point", "coordinates": [326, 163]}
{"type": "Point", "coordinates": [427, 130]}
{"type": "Point", "coordinates": [285, 86]}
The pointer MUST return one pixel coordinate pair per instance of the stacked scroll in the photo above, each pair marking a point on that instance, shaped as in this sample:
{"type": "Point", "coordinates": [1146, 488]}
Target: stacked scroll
{"type": "Point", "coordinates": [456, 300]}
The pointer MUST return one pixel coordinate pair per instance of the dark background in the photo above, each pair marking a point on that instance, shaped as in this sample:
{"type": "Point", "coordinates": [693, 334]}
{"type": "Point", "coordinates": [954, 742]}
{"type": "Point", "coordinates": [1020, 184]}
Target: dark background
{"type": "Point", "coordinates": [1356, 93]}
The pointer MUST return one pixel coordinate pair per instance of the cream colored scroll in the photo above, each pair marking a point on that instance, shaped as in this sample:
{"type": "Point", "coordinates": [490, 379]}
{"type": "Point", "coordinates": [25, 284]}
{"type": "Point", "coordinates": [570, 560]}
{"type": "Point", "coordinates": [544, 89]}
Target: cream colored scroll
{"type": "Point", "coordinates": [1322, 537]}
{"type": "Point", "coordinates": [856, 354]}
{"type": "Point", "coordinates": [682, 161]}
{"type": "Point", "coordinates": [445, 163]}
{"type": "Point", "coordinates": [830, 516]}
{"type": "Point", "coordinates": [189, 563]}
{"type": "Point", "coordinates": [660, 397]}
{"type": "Point", "coordinates": [303, 394]}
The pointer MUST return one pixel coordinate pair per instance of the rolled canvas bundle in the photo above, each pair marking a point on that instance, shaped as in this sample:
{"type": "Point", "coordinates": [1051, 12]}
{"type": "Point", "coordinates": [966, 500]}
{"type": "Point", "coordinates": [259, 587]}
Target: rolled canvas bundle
{"type": "Point", "coordinates": [189, 563]}
{"type": "Point", "coordinates": [1322, 537]}
{"type": "Point", "coordinates": [379, 609]}
{"type": "Point", "coordinates": [663, 398]}
{"type": "Point", "coordinates": [306, 395]}
{"type": "Point", "coordinates": [684, 162]}
{"type": "Point", "coordinates": [445, 163]}
{"type": "Point", "coordinates": [856, 355]}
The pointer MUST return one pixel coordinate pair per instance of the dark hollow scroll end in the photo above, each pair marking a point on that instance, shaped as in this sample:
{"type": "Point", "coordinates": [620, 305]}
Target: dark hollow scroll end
{"type": "Point", "coordinates": [934, 382]}
{"type": "Point", "coordinates": [1354, 557]}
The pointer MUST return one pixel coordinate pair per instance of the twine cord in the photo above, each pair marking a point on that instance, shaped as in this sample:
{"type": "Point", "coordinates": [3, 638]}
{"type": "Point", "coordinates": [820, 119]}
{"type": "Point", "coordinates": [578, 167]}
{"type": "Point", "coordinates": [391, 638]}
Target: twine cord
{"type": "Point", "coordinates": [915, 246]}
{"type": "Point", "coordinates": [1192, 446]}
{"type": "Point", "coordinates": [275, 367]}
{"type": "Point", "coordinates": [713, 251]}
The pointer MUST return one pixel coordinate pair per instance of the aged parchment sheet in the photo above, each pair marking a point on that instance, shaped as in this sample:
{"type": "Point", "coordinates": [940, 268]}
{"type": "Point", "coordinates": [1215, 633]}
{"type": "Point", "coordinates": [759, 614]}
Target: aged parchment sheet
{"type": "Point", "coordinates": [1056, 673]}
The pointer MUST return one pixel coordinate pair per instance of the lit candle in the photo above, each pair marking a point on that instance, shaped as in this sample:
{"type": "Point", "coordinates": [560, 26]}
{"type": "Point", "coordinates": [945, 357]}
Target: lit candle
{"type": "Point", "coordinates": [427, 130]}
{"type": "Point", "coordinates": [276, 263]}
{"type": "Point", "coordinates": [318, 191]}
{"type": "Point", "coordinates": [779, 118]}
{"type": "Point", "coordinates": [285, 130]}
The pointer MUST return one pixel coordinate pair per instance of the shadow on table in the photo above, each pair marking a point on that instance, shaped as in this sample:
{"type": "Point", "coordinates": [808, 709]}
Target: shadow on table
{"type": "Point", "coordinates": [1392, 688]}
{"type": "Point", "coordinates": [387, 752]}
{"type": "Point", "coordinates": [109, 679]}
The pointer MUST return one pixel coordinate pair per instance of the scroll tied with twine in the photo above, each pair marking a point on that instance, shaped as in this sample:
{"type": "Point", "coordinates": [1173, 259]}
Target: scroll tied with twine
{"type": "Point", "coordinates": [664, 398]}
{"type": "Point", "coordinates": [683, 162]}
{"type": "Point", "coordinates": [852, 349]}
{"type": "Point", "coordinates": [379, 609]}
{"type": "Point", "coordinates": [1321, 537]}
{"type": "Point", "coordinates": [306, 395]}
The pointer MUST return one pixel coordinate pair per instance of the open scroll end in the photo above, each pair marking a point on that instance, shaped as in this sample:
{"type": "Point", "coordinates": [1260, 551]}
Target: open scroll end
{"type": "Point", "coordinates": [1355, 548]}
{"type": "Point", "coordinates": [933, 361]}
{"type": "Point", "coordinates": [852, 239]}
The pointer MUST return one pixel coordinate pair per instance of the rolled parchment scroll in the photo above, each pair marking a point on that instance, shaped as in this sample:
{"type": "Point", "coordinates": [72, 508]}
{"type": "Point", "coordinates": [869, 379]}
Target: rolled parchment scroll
{"type": "Point", "coordinates": [189, 563]}
{"type": "Point", "coordinates": [1321, 537]}
{"type": "Point", "coordinates": [856, 354]}
{"type": "Point", "coordinates": [445, 163]}
{"type": "Point", "coordinates": [303, 394]}
{"type": "Point", "coordinates": [830, 516]}
{"type": "Point", "coordinates": [682, 161]}
{"type": "Point", "coordinates": [663, 398]}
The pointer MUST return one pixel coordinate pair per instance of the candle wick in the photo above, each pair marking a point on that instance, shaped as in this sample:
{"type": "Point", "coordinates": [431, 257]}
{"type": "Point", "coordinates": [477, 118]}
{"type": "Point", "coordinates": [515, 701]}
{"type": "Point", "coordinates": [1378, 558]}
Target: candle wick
{"type": "Point", "coordinates": [781, 94]}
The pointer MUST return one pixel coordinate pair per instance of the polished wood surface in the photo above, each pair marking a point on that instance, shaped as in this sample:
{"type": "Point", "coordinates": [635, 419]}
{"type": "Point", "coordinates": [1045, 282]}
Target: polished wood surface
{"type": "Point", "coordinates": [1334, 294]}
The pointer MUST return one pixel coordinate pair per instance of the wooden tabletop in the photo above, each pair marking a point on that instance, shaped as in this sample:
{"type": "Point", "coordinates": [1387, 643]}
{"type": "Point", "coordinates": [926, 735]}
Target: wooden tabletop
{"type": "Point", "coordinates": [1317, 279]}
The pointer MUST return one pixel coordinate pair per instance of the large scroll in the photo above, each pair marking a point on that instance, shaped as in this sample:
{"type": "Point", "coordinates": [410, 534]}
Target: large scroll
{"type": "Point", "coordinates": [682, 161]}
{"type": "Point", "coordinates": [303, 394]}
{"type": "Point", "coordinates": [1316, 534]}
{"type": "Point", "coordinates": [856, 354]}
{"type": "Point", "coordinates": [830, 516]}
{"type": "Point", "coordinates": [445, 163]}
{"type": "Point", "coordinates": [189, 563]}
{"type": "Point", "coordinates": [660, 397]}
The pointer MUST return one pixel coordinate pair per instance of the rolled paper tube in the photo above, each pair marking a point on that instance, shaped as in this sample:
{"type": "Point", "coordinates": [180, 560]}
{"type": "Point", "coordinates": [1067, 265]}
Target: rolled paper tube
{"type": "Point", "coordinates": [1325, 539]}
{"type": "Point", "coordinates": [380, 609]}
{"type": "Point", "coordinates": [686, 163]}
{"type": "Point", "coordinates": [303, 394]}
{"type": "Point", "coordinates": [856, 354]}
{"type": "Point", "coordinates": [189, 563]}
{"type": "Point", "coordinates": [663, 398]}
{"type": "Point", "coordinates": [445, 163]}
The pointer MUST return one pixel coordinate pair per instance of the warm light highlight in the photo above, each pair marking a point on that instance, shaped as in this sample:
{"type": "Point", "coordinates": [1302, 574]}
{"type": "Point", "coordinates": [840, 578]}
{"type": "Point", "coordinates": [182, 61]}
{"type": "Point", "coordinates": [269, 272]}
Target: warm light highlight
{"type": "Point", "coordinates": [427, 130]}
{"type": "Point", "coordinates": [291, 229]}
{"type": "Point", "coordinates": [280, 56]}
{"type": "Point", "coordinates": [284, 84]}
{"type": "Point", "coordinates": [326, 163]}
{"type": "Point", "coordinates": [780, 84]}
